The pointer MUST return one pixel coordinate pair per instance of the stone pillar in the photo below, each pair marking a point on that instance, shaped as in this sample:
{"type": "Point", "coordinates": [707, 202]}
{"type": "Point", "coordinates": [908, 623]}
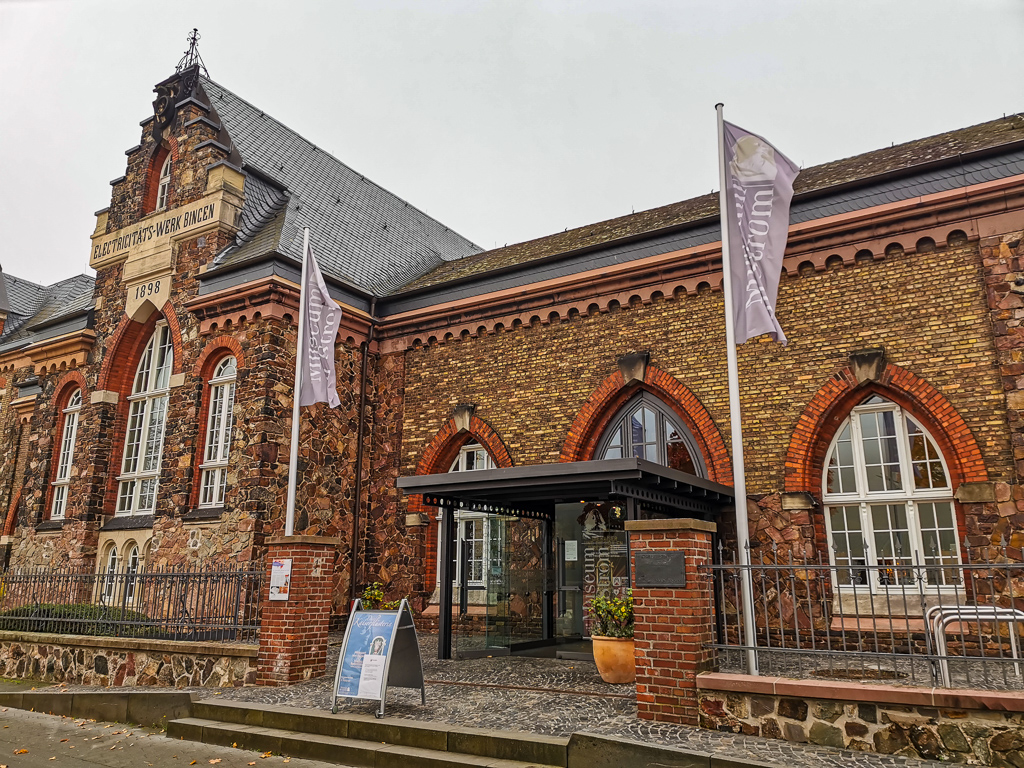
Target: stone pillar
{"type": "Point", "coordinates": [293, 632]}
{"type": "Point", "coordinates": [674, 624]}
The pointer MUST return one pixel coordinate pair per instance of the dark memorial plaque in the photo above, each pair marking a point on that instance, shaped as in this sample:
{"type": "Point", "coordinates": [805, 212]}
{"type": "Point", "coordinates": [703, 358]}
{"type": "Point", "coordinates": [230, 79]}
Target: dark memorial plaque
{"type": "Point", "coordinates": [660, 569]}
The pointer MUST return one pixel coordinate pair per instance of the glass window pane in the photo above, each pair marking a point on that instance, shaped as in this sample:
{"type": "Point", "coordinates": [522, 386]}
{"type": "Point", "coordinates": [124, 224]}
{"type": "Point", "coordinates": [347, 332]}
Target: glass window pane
{"type": "Point", "coordinates": [613, 452]}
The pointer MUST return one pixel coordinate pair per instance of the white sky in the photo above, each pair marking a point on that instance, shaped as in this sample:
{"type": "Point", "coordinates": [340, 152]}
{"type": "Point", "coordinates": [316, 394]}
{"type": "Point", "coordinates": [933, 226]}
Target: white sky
{"type": "Point", "coordinates": [506, 120]}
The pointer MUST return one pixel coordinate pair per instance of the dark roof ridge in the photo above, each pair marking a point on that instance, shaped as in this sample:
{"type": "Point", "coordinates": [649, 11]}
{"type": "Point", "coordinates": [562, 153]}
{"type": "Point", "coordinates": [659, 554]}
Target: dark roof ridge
{"type": "Point", "coordinates": [331, 155]}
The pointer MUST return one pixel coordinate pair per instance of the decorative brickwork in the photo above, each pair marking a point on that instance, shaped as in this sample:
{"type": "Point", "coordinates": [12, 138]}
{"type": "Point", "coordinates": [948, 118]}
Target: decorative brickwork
{"type": "Point", "coordinates": [613, 393]}
{"type": "Point", "coordinates": [293, 632]}
{"type": "Point", "coordinates": [672, 625]}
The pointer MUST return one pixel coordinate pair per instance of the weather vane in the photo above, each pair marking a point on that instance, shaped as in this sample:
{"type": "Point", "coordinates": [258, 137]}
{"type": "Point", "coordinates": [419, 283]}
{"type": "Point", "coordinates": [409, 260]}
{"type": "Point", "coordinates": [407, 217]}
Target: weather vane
{"type": "Point", "coordinates": [192, 57]}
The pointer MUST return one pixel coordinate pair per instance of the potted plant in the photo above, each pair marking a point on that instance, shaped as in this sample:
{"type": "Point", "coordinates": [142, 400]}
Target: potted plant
{"type": "Point", "coordinates": [611, 629]}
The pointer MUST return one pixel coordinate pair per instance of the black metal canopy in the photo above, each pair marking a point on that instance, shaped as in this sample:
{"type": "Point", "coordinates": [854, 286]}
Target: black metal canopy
{"type": "Point", "coordinates": [534, 489]}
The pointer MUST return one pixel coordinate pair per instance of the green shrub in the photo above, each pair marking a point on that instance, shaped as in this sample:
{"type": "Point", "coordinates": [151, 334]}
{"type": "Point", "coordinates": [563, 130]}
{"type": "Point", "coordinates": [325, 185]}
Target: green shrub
{"type": "Point", "coordinates": [76, 618]}
{"type": "Point", "coordinates": [612, 616]}
{"type": "Point", "coordinates": [373, 598]}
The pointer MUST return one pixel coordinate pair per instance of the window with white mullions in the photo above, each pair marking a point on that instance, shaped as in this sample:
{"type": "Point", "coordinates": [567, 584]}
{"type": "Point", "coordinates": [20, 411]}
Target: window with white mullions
{"type": "Point", "coordinates": [218, 434]}
{"type": "Point", "coordinates": [471, 527]}
{"type": "Point", "coordinates": [164, 184]}
{"type": "Point", "coordinates": [69, 434]}
{"type": "Point", "coordinates": [110, 576]}
{"type": "Point", "coordinates": [647, 429]}
{"type": "Point", "coordinates": [889, 502]}
{"type": "Point", "coordinates": [147, 420]}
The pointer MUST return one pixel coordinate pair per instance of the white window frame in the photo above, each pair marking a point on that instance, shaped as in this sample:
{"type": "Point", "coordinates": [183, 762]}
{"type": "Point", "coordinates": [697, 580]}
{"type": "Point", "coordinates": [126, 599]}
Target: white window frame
{"type": "Point", "coordinates": [132, 565]}
{"type": "Point", "coordinates": [110, 574]}
{"type": "Point", "coordinates": [472, 457]}
{"type": "Point", "coordinates": [69, 435]}
{"type": "Point", "coordinates": [164, 184]}
{"type": "Point", "coordinates": [150, 392]}
{"type": "Point", "coordinates": [909, 496]}
{"type": "Point", "coordinates": [219, 423]}
{"type": "Point", "coordinates": [617, 439]}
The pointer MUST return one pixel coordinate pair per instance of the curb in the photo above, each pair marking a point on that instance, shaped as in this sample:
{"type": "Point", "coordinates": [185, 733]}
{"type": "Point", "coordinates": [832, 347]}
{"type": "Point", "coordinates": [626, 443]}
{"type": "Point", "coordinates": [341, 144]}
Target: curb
{"type": "Point", "coordinates": [154, 708]}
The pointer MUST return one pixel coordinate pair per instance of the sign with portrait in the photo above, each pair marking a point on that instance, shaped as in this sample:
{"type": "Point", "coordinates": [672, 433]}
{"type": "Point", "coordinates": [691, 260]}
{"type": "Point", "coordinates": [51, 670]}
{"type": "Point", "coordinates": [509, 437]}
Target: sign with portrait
{"type": "Point", "coordinates": [380, 649]}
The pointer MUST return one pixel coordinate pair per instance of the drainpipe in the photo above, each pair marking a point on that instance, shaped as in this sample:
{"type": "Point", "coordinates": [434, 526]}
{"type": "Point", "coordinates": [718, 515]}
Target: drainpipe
{"type": "Point", "coordinates": [359, 451]}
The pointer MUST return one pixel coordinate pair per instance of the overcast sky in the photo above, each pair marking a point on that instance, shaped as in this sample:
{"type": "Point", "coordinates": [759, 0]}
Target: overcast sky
{"type": "Point", "coordinates": [505, 120]}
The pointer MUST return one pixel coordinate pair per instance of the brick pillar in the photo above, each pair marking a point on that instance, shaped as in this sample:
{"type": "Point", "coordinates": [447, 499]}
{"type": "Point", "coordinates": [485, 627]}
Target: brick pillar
{"type": "Point", "coordinates": [673, 624]}
{"type": "Point", "coordinates": [293, 632]}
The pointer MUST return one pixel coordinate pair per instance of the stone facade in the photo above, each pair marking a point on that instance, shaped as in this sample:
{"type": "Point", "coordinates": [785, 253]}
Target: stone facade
{"type": "Point", "coordinates": [954, 726]}
{"type": "Point", "coordinates": [104, 661]}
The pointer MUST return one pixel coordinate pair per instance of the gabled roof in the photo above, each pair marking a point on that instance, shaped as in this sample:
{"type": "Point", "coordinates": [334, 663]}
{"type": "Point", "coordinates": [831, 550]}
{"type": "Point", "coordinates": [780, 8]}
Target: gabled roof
{"type": "Point", "coordinates": [902, 157]}
{"type": "Point", "coordinates": [33, 305]}
{"type": "Point", "coordinates": [361, 234]}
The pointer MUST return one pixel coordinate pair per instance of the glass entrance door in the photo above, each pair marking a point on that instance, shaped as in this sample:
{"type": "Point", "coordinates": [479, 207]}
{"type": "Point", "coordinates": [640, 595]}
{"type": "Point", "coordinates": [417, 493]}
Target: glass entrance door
{"type": "Point", "coordinates": [482, 587]}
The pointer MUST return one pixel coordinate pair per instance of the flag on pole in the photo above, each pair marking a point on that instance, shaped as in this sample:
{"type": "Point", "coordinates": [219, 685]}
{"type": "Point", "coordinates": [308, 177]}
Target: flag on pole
{"type": "Point", "coordinates": [759, 188]}
{"type": "Point", "coordinates": [322, 315]}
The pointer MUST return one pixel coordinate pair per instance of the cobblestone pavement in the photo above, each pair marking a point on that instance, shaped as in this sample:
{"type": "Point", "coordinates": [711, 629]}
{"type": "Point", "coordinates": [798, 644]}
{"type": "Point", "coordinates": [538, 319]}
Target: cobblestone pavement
{"type": "Point", "coordinates": [548, 696]}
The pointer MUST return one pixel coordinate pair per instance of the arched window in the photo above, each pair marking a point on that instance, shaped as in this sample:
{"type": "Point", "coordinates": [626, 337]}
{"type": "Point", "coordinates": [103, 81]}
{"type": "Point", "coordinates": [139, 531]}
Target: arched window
{"type": "Point", "coordinates": [472, 526]}
{"type": "Point", "coordinates": [131, 570]}
{"type": "Point", "coordinates": [147, 417]}
{"type": "Point", "coordinates": [647, 429]}
{"type": "Point", "coordinates": [888, 501]}
{"type": "Point", "coordinates": [69, 433]}
{"type": "Point", "coordinates": [163, 184]}
{"type": "Point", "coordinates": [218, 434]}
{"type": "Point", "coordinates": [110, 573]}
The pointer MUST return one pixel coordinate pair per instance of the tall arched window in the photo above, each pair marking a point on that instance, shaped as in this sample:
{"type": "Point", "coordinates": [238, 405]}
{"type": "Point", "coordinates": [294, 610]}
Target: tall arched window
{"type": "Point", "coordinates": [110, 573]}
{"type": "Point", "coordinates": [888, 501]}
{"type": "Point", "coordinates": [647, 429]}
{"type": "Point", "coordinates": [69, 433]}
{"type": "Point", "coordinates": [218, 434]}
{"type": "Point", "coordinates": [163, 184]}
{"type": "Point", "coordinates": [131, 571]}
{"type": "Point", "coordinates": [147, 417]}
{"type": "Point", "coordinates": [472, 527]}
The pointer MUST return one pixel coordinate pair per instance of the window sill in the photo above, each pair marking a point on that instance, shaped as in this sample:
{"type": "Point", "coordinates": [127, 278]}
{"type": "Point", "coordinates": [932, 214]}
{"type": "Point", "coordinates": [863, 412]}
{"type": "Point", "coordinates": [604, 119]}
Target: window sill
{"type": "Point", "coordinates": [204, 513]}
{"type": "Point", "coordinates": [50, 525]}
{"type": "Point", "coordinates": [128, 523]}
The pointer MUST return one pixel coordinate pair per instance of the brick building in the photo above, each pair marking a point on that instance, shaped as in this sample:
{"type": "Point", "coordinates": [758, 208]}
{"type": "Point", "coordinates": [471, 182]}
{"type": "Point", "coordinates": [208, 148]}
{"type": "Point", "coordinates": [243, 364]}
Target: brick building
{"type": "Point", "coordinates": [145, 413]}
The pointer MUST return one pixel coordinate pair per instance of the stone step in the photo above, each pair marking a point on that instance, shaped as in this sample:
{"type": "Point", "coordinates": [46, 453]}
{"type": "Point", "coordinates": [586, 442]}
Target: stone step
{"type": "Point", "coordinates": [529, 748]}
{"type": "Point", "coordinates": [331, 749]}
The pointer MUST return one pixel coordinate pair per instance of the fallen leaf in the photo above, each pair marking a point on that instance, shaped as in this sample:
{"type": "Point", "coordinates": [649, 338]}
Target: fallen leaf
{"type": "Point", "coordinates": [21, 751]}
{"type": "Point", "coordinates": [63, 740]}
{"type": "Point", "coordinates": [193, 762]}
{"type": "Point", "coordinates": [53, 758]}
{"type": "Point", "coordinates": [253, 763]}
{"type": "Point", "coordinates": [215, 761]}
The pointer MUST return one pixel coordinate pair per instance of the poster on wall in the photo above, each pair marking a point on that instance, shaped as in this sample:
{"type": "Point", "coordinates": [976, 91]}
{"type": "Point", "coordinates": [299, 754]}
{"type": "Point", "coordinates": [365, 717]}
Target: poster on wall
{"type": "Point", "coordinates": [380, 649]}
{"type": "Point", "coordinates": [280, 578]}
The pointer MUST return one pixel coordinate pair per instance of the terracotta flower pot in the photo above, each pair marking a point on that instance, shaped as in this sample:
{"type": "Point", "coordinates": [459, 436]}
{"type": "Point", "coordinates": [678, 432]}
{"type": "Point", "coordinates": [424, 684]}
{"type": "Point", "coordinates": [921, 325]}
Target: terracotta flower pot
{"type": "Point", "coordinates": [614, 659]}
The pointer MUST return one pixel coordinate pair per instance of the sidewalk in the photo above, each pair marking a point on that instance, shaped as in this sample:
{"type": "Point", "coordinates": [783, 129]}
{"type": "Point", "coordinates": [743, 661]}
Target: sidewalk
{"type": "Point", "coordinates": [545, 696]}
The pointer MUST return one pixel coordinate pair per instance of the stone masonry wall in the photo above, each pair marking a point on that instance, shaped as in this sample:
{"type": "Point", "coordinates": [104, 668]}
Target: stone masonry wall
{"type": "Point", "coordinates": [114, 662]}
{"type": "Point", "coordinates": [953, 734]}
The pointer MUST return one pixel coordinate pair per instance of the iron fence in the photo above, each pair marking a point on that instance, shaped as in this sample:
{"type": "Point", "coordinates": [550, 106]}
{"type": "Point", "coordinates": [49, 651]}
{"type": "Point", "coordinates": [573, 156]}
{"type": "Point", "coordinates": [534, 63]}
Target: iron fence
{"type": "Point", "coordinates": [220, 603]}
{"type": "Point", "coordinates": [934, 620]}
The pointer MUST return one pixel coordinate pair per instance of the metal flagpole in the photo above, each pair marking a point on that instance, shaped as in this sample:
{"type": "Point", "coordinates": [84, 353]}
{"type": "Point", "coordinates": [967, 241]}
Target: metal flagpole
{"type": "Point", "coordinates": [293, 459]}
{"type": "Point", "coordinates": [739, 479]}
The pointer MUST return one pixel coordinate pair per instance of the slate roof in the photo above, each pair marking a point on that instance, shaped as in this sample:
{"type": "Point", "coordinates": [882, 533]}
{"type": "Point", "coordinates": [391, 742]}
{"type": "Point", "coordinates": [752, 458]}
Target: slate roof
{"type": "Point", "coordinates": [902, 157]}
{"type": "Point", "coordinates": [32, 304]}
{"type": "Point", "coordinates": [361, 233]}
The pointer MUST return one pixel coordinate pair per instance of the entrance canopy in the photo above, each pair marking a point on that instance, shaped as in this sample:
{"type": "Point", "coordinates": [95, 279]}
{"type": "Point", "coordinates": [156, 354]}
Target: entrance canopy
{"type": "Point", "coordinates": [535, 489]}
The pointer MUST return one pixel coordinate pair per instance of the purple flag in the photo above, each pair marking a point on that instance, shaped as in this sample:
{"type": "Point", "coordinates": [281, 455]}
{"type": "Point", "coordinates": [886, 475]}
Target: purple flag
{"type": "Point", "coordinates": [322, 316]}
{"type": "Point", "coordinates": [759, 188]}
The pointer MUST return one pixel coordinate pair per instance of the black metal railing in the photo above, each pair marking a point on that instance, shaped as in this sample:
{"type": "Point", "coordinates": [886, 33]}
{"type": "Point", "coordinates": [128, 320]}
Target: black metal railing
{"type": "Point", "coordinates": [950, 620]}
{"type": "Point", "coordinates": [219, 603]}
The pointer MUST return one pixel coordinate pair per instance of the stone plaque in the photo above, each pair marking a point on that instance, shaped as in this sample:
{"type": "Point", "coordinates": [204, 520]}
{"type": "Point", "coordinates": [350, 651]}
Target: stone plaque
{"type": "Point", "coordinates": [660, 569]}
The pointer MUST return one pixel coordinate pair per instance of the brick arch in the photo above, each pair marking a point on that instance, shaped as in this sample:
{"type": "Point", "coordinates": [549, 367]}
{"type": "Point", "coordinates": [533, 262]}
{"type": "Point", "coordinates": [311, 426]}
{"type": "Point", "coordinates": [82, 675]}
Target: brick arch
{"type": "Point", "coordinates": [832, 404]}
{"type": "Point", "coordinates": [216, 349]}
{"type": "Point", "coordinates": [442, 450]}
{"type": "Point", "coordinates": [64, 386]}
{"type": "Point", "coordinates": [602, 405]}
{"type": "Point", "coordinates": [437, 458]}
{"type": "Point", "coordinates": [126, 344]}
{"type": "Point", "coordinates": [156, 161]}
